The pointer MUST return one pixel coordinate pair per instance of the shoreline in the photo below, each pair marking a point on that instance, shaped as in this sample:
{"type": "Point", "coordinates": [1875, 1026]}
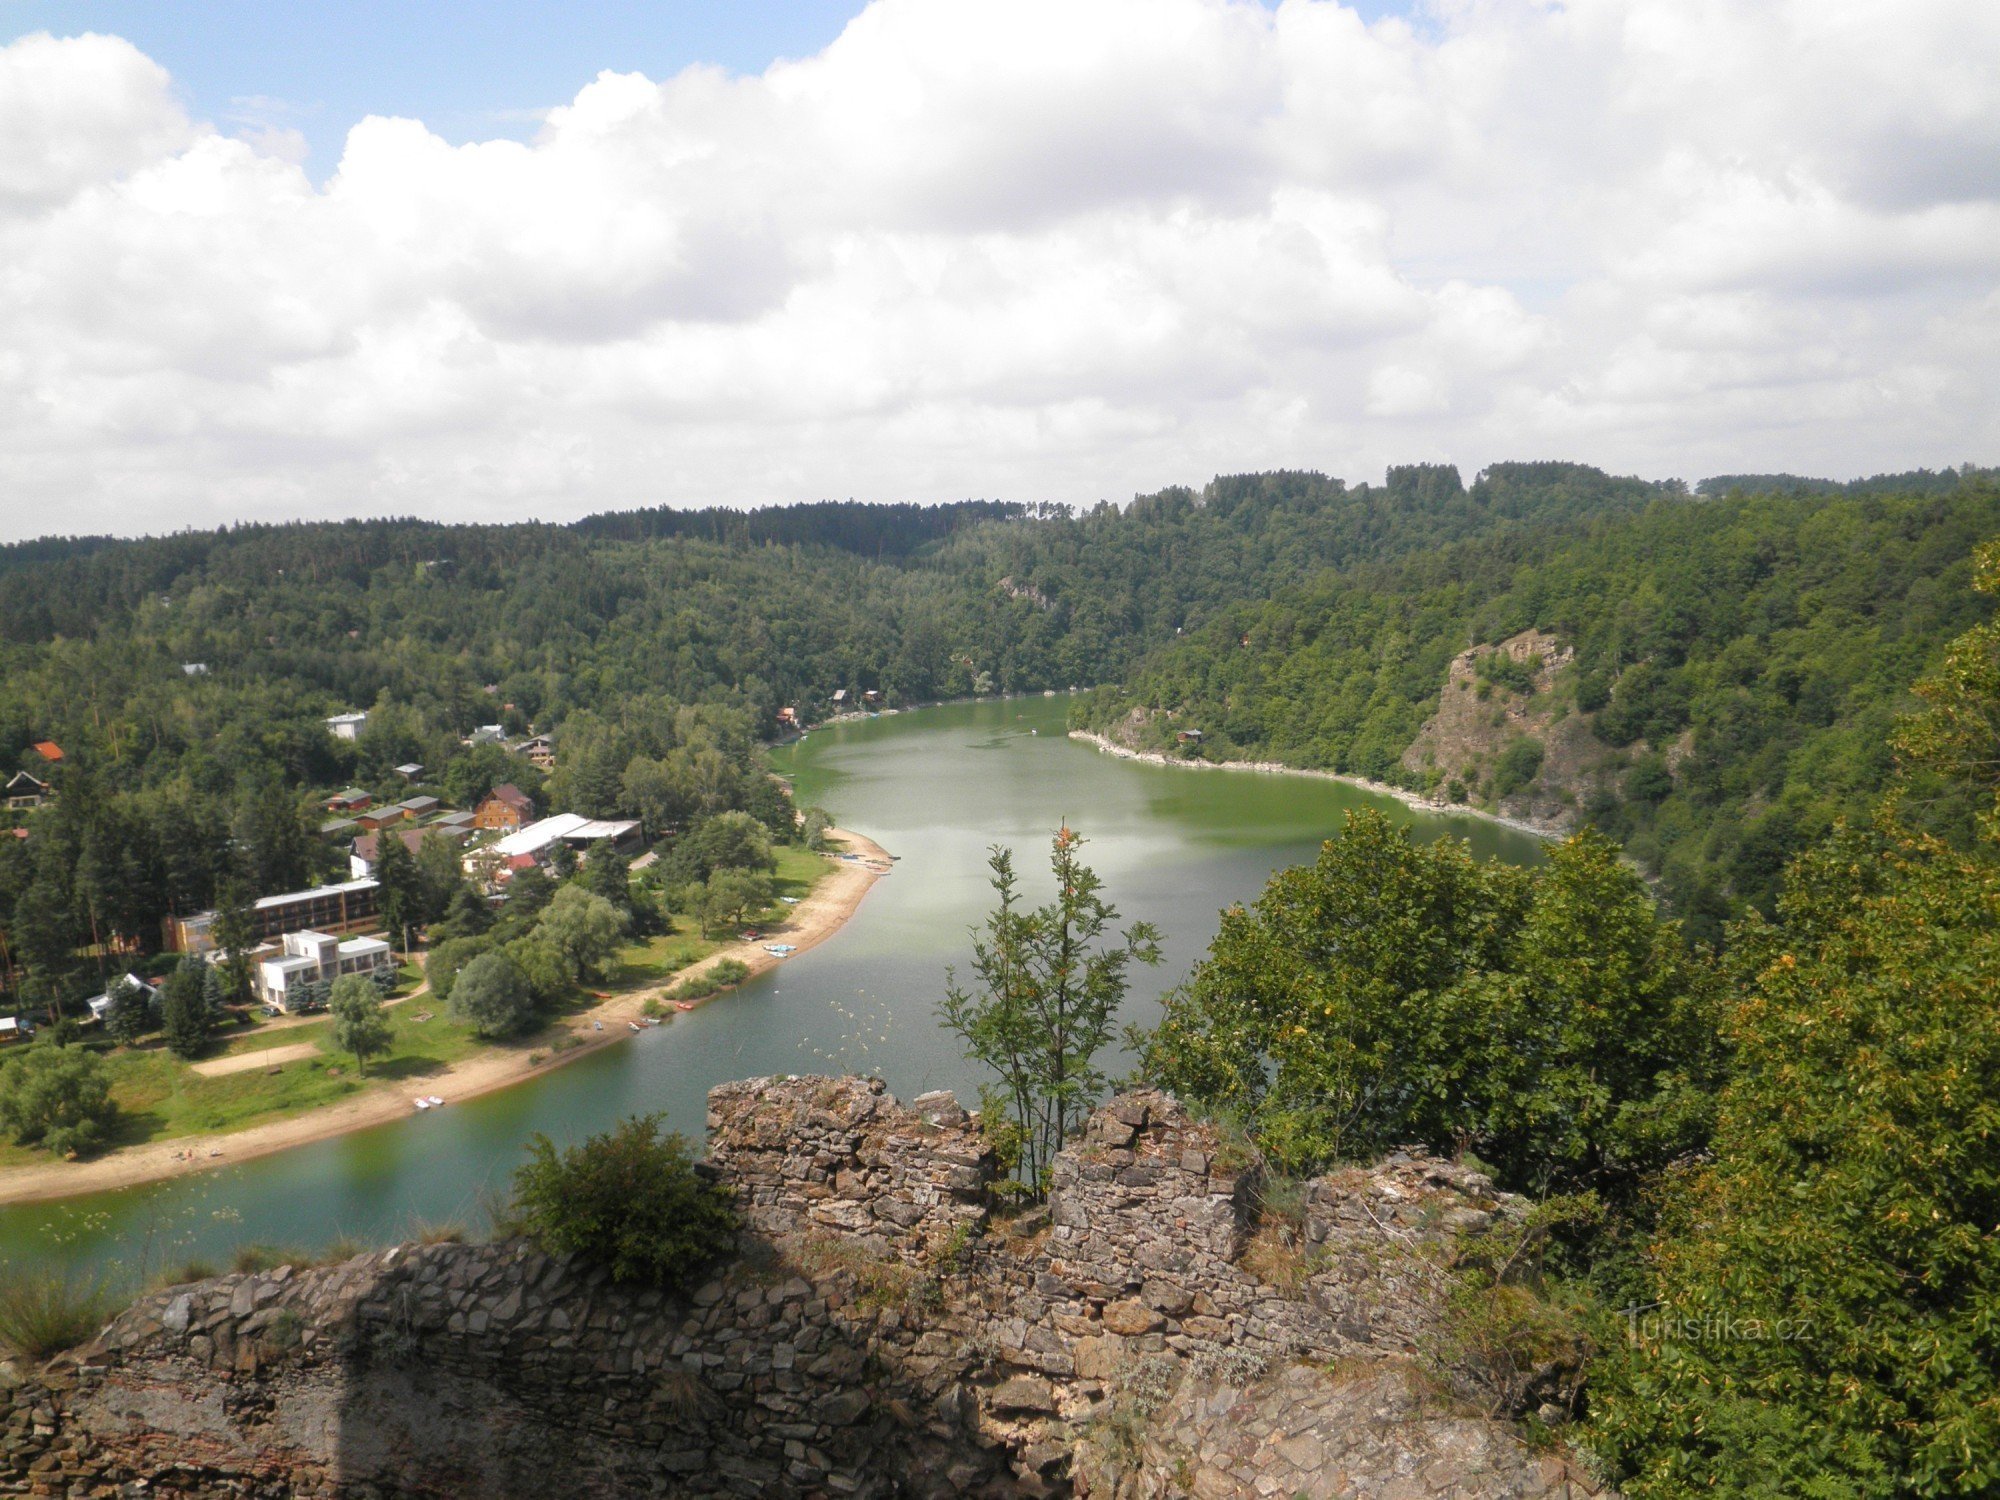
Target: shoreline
{"type": "Point", "coordinates": [819, 915]}
{"type": "Point", "coordinates": [1414, 800]}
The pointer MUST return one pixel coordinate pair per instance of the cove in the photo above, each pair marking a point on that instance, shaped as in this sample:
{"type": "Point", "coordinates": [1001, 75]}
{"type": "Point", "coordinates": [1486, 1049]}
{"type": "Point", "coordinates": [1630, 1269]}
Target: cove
{"type": "Point", "coordinates": [936, 788]}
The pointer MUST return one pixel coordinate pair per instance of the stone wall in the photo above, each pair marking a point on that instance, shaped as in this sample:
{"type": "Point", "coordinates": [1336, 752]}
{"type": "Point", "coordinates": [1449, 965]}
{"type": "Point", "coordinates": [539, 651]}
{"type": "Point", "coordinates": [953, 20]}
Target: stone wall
{"type": "Point", "coordinates": [884, 1331]}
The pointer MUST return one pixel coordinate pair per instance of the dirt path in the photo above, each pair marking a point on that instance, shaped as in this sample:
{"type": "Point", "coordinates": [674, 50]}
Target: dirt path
{"type": "Point", "coordinates": [243, 1062]}
{"type": "Point", "coordinates": [816, 918]}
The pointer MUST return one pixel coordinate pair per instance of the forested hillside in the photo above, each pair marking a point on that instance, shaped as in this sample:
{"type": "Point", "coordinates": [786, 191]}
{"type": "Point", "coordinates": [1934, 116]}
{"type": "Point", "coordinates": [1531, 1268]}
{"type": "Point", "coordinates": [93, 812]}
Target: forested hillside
{"type": "Point", "coordinates": [187, 678]}
{"type": "Point", "coordinates": [1737, 666]}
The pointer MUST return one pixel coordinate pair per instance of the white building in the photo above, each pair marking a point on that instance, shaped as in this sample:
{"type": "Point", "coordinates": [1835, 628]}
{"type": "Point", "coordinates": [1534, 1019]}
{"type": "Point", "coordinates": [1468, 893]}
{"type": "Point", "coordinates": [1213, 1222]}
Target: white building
{"type": "Point", "coordinates": [573, 829]}
{"type": "Point", "coordinates": [316, 957]}
{"type": "Point", "coordinates": [347, 726]}
{"type": "Point", "coordinates": [100, 1005]}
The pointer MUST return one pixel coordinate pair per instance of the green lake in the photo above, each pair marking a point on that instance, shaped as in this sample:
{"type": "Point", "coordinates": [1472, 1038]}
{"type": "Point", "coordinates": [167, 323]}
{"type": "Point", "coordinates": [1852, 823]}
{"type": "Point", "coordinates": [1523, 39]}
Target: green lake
{"type": "Point", "coordinates": [936, 788]}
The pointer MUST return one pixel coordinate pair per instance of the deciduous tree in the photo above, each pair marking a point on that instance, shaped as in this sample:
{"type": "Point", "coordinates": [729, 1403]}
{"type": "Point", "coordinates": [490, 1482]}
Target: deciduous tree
{"type": "Point", "coordinates": [1049, 984]}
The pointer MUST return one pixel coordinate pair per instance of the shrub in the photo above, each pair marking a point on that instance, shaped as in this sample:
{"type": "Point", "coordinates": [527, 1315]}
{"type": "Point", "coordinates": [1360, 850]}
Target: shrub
{"type": "Point", "coordinates": [57, 1097]}
{"type": "Point", "coordinates": [1519, 764]}
{"type": "Point", "coordinates": [630, 1199]}
{"type": "Point", "coordinates": [730, 971]}
{"type": "Point", "coordinates": [43, 1312]}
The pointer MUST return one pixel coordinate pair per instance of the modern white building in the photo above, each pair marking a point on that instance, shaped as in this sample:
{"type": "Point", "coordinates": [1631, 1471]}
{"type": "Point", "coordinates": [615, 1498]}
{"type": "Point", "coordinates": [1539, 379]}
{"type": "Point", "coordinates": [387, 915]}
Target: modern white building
{"type": "Point", "coordinates": [573, 829]}
{"type": "Point", "coordinates": [347, 726]}
{"type": "Point", "coordinates": [316, 957]}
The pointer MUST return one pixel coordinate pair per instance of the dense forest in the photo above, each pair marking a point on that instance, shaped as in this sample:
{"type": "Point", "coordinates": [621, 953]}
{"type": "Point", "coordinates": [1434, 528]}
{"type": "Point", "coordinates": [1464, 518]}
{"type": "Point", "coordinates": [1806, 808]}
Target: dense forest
{"type": "Point", "coordinates": [1738, 665]}
{"type": "Point", "coordinates": [1740, 657]}
{"type": "Point", "coordinates": [1761, 1103]}
{"type": "Point", "coordinates": [1764, 1184]}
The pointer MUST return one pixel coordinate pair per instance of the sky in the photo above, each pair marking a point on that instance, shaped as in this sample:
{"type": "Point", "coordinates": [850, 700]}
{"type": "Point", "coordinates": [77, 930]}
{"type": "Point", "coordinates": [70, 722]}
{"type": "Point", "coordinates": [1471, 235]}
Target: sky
{"type": "Point", "coordinates": [500, 261]}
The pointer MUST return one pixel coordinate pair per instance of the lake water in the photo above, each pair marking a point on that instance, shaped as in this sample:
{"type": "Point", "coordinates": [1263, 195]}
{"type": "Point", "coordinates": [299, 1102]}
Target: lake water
{"type": "Point", "coordinates": [936, 788]}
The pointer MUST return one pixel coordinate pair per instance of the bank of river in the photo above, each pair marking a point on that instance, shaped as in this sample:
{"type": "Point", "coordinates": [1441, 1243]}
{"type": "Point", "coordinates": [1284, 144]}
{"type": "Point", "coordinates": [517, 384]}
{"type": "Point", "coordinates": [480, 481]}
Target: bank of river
{"type": "Point", "coordinates": [935, 787]}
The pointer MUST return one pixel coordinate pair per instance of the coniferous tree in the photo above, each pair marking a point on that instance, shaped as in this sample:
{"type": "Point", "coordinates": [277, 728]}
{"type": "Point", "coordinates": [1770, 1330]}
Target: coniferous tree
{"type": "Point", "coordinates": [184, 1014]}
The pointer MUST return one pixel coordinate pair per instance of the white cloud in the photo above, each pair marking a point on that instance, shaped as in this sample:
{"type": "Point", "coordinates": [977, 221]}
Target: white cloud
{"type": "Point", "coordinates": [1043, 249]}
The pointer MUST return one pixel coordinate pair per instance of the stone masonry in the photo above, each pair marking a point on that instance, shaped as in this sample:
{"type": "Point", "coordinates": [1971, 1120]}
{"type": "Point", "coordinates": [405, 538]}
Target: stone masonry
{"type": "Point", "coordinates": [885, 1330]}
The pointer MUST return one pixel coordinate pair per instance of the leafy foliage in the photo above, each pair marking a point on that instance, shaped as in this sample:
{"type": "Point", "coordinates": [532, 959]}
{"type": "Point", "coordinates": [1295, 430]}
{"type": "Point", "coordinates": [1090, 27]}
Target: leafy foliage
{"type": "Point", "coordinates": [492, 994]}
{"type": "Point", "coordinates": [1825, 1286]}
{"type": "Point", "coordinates": [1398, 992]}
{"type": "Point", "coordinates": [57, 1097]}
{"type": "Point", "coordinates": [630, 1199]}
{"type": "Point", "coordinates": [185, 1014]}
{"type": "Point", "coordinates": [1770, 638]}
{"type": "Point", "coordinates": [359, 1026]}
{"type": "Point", "coordinates": [1048, 994]}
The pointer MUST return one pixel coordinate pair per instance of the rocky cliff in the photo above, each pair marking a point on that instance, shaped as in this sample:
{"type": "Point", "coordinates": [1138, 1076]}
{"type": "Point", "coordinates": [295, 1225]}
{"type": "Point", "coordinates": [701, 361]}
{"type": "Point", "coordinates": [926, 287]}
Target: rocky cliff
{"type": "Point", "coordinates": [1507, 736]}
{"type": "Point", "coordinates": [886, 1330]}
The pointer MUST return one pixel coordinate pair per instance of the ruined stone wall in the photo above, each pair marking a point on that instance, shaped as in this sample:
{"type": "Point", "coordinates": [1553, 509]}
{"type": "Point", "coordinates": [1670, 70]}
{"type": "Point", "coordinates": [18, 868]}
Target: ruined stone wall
{"type": "Point", "coordinates": [883, 1332]}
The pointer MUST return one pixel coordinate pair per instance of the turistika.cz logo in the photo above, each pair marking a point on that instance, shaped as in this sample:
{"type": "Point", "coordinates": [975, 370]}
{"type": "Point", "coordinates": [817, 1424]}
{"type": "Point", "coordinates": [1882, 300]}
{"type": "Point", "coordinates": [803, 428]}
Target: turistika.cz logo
{"type": "Point", "coordinates": [1652, 1325]}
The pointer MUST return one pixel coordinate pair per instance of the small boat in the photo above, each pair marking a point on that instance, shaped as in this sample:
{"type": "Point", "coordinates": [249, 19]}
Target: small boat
{"type": "Point", "coordinates": [789, 900]}
{"type": "Point", "coordinates": [781, 949]}
{"type": "Point", "coordinates": [435, 1101]}
{"type": "Point", "coordinates": [422, 1103]}
{"type": "Point", "coordinates": [633, 1024]}
{"type": "Point", "coordinates": [652, 1020]}
{"type": "Point", "coordinates": [684, 1005]}
{"type": "Point", "coordinates": [596, 1025]}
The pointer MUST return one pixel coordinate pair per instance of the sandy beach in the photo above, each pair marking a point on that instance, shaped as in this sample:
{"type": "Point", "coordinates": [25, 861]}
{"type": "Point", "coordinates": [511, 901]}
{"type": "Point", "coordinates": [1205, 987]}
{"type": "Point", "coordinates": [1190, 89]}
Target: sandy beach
{"type": "Point", "coordinates": [816, 918]}
{"type": "Point", "coordinates": [1403, 795]}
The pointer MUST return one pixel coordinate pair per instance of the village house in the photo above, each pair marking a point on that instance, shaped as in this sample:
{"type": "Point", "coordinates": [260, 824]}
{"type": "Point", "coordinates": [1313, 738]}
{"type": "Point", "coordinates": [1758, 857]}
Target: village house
{"type": "Point", "coordinates": [26, 791]}
{"type": "Point", "coordinates": [505, 807]}
{"type": "Point", "coordinates": [14, 1029]}
{"type": "Point", "coordinates": [488, 734]}
{"type": "Point", "coordinates": [351, 800]}
{"type": "Point", "coordinates": [347, 726]}
{"type": "Point", "coordinates": [381, 817]}
{"type": "Point", "coordinates": [420, 807]}
{"type": "Point", "coordinates": [194, 669]}
{"type": "Point", "coordinates": [540, 751]}
{"type": "Point", "coordinates": [49, 751]}
{"type": "Point", "coordinates": [99, 1006]}
{"type": "Point", "coordinates": [310, 957]}
{"type": "Point", "coordinates": [410, 770]}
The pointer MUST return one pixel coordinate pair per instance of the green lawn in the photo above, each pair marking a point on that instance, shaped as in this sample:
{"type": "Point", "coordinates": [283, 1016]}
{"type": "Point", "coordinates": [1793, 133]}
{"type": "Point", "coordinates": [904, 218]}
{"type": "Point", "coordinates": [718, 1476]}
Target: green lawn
{"type": "Point", "coordinates": [161, 1098]}
{"type": "Point", "coordinates": [655, 959]}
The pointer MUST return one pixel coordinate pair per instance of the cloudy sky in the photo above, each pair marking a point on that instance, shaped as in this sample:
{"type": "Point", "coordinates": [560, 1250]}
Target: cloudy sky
{"type": "Point", "coordinates": [928, 249]}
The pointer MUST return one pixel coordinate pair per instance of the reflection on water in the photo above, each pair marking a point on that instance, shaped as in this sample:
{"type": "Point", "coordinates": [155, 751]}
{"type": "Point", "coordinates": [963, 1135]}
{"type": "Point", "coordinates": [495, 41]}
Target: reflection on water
{"type": "Point", "coordinates": [936, 788]}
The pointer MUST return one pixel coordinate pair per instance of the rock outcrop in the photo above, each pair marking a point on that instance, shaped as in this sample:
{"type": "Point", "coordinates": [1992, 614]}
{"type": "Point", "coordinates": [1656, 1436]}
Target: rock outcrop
{"type": "Point", "coordinates": [886, 1330]}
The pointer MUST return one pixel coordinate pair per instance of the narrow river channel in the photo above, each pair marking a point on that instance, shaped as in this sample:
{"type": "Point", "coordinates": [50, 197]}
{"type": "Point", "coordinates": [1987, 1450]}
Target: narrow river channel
{"type": "Point", "coordinates": [936, 788]}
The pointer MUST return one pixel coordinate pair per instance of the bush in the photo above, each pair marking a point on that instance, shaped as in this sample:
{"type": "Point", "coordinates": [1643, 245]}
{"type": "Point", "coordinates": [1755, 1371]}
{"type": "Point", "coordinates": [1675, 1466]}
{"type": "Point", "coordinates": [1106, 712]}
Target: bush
{"type": "Point", "coordinates": [629, 1199]}
{"type": "Point", "coordinates": [727, 972]}
{"type": "Point", "coordinates": [57, 1097]}
{"type": "Point", "coordinates": [43, 1312]}
{"type": "Point", "coordinates": [1519, 764]}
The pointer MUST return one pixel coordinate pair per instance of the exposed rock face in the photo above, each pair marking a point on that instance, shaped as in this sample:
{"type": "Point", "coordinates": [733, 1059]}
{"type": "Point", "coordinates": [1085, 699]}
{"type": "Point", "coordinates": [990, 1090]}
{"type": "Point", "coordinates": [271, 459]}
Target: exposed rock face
{"type": "Point", "coordinates": [884, 1333]}
{"type": "Point", "coordinates": [1464, 739]}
